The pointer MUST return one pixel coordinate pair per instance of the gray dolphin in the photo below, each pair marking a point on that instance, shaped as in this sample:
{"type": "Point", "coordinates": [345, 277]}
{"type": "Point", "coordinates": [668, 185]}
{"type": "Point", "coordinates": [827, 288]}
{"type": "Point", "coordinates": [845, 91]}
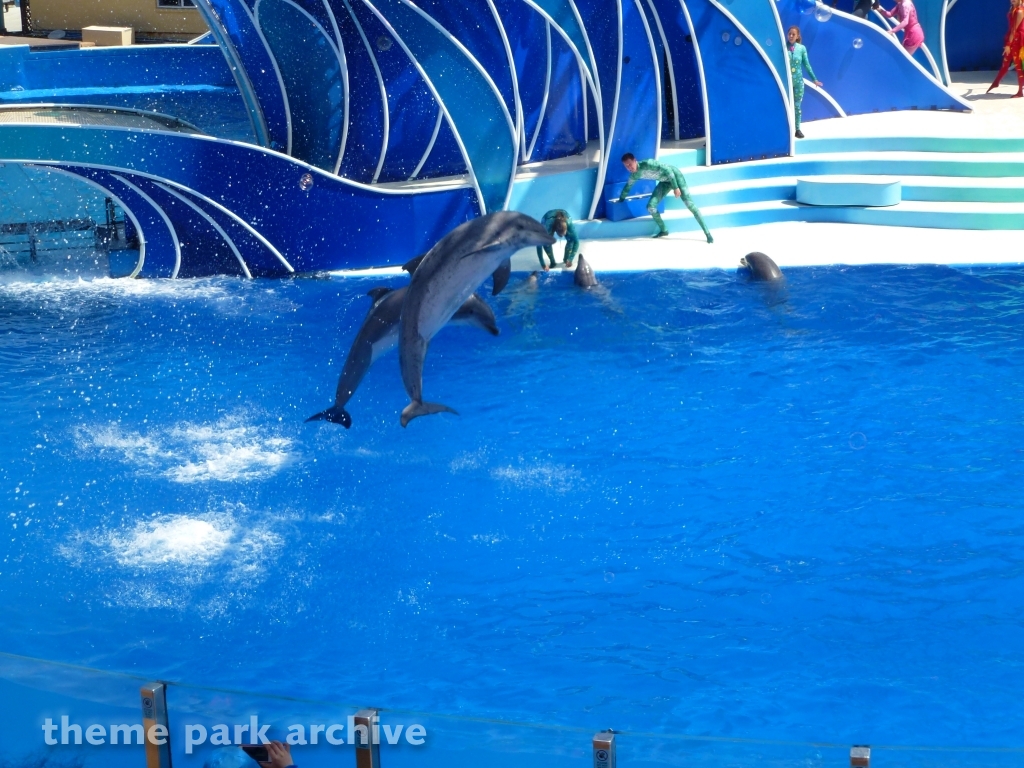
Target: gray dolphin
{"type": "Point", "coordinates": [761, 267]}
{"type": "Point", "coordinates": [448, 274]}
{"type": "Point", "coordinates": [584, 274]}
{"type": "Point", "coordinates": [379, 335]}
{"type": "Point", "coordinates": [499, 277]}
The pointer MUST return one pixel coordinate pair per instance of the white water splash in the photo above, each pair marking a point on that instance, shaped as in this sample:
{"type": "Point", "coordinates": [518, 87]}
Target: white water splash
{"type": "Point", "coordinates": [553, 477]}
{"type": "Point", "coordinates": [227, 450]}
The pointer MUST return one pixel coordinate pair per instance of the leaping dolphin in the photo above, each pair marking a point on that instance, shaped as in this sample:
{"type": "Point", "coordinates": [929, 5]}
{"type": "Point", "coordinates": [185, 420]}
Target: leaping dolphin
{"type": "Point", "coordinates": [499, 278]}
{"type": "Point", "coordinates": [379, 335]}
{"type": "Point", "coordinates": [448, 274]}
{"type": "Point", "coordinates": [761, 267]}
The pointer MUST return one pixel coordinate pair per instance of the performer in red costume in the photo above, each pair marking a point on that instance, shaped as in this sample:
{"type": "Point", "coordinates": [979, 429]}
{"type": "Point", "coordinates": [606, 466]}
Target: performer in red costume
{"type": "Point", "coordinates": [1013, 48]}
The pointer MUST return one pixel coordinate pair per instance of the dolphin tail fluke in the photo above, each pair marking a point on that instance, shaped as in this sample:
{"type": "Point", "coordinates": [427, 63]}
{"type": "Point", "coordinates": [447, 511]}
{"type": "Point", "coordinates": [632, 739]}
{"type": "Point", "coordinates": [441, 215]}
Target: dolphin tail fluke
{"type": "Point", "coordinates": [335, 415]}
{"type": "Point", "coordinates": [414, 409]}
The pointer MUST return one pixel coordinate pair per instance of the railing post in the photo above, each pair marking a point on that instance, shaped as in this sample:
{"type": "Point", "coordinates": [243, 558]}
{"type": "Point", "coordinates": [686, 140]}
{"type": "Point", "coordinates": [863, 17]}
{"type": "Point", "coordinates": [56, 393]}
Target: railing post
{"type": "Point", "coordinates": [604, 749]}
{"type": "Point", "coordinates": [368, 752]}
{"type": "Point", "coordinates": [154, 725]}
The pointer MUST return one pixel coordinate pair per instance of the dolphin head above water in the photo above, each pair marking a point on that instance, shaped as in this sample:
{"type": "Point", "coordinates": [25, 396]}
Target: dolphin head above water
{"type": "Point", "coordinates": [761, 266]}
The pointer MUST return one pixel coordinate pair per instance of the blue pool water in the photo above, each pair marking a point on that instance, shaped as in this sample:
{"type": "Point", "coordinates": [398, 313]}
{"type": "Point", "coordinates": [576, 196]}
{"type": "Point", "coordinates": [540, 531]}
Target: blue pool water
{"type": "Point", "coordinates": [682, 503]}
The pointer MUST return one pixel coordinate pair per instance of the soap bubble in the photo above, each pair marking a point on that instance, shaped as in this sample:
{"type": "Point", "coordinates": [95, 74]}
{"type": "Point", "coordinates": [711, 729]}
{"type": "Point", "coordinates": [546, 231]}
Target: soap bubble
{"type": "Point", "coordinates": [383, 43]}
{"type": "Point", "coordinates": [306, 182]}
{"type": "Point", "coordinates": [769, 42]}
{"type": "Point", "coordinates": [858, 43]}
{"type": "Point", "coordinates": [738, 40]}
{"type": "Point", "coordinates": [822, 12]}
{"type": "Point", "coordinates": [725, 37]}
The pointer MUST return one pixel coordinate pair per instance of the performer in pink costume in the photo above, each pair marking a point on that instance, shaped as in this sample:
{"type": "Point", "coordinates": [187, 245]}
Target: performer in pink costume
{"type": "Point", "coordinates": [913, 34]}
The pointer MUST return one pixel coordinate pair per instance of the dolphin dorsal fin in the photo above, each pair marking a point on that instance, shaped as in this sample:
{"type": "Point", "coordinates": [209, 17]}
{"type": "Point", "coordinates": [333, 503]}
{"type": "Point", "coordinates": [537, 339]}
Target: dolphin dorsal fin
{"type": "Point", "coordinates": [411, 265]}
{"type": "Point", "coordinates": [378, 293]}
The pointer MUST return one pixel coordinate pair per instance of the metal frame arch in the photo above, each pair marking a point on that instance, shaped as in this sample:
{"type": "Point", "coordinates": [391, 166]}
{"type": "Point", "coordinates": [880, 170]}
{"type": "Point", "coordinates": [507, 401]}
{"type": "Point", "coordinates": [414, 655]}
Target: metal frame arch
{"type": "Point", "coordinates": [520, 139]}
{"type": "Point", "coordinates": [344, 74]}
{"type": "Point", "coordinates": [671, 68]}
{"type": "Point", "coordinates": [790, 114]}
{"type": "Point", "coordinates": [209, 220]}
{"type": "Point", "coordinates": [163, 215]}
{"type": "Point", "coordinates": [430, 146]}
{"type": "Point", "coordinates": [789, 72]}
{"type": "Point", "coordinates": [128, 211]}
{"type": "Point", "coordinates": [339, 53]}
{"type": "Point", "coordinates": [383, 96]}
{"type": "Point", "coordinates": [254, 16]}
{"type": "Point", "coordinates": [437, 97]}
{"type": "Point", "coordinates": [703, 85]}
{"type": "Point", "coordinates": [547, 92]}
{"type": "Point", "coordinates": [510, 124]}
{"type": "Point", "coordinates": [827, 96]}
{"type": "Point", "coordinates": [252, 103]}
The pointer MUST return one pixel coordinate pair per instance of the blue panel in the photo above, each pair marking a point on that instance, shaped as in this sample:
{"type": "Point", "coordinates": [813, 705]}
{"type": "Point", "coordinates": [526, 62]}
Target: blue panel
{"type": "Point", "coordinates": [974, 34]}
{"type": "Point", "coordinates": [668, 131]}
{"type": "Point", "coordinates": [261, 261]}
{"type": "Point", "coordinates": [601, 22]}
{"type": "Point", "coordinates": [526, 32]}
{"type": "Point", "coordinates": [740, 83]}
{"type": "Point", "coordinates": [817, 107]}
{"type": "Point", "coordinates": [312, 73]}
{"type": "Point", "coordinates": [232, 22]}
{"type": "Point", "coordinates": [689, 96]}
{"type": "Point", "coordinates": [412, 108]}
{"type": "Point", "coordinates": [203, 250]}
{"type": "Point", "coordinates": [761, 23]}
{"type": "Point", "coordinates": [334, 224]}
{"type": "Point", "coordinates": [637, 124]}
{"type": "Point", "coordinates": [161, 255]}
{"type": "Point", "coordinates": [445, 158]}
{"type": "Point", "coordinates": [476, 110]}
{"type": "Point", "coordinates": [472, 23]}
{"type": "Point", "coordinates": [561, 14]}
{"type": "Point", "coordinates": [561, 133]}
{"type": "Point", "coordinates": [366, 103]}
{"type": "Point", "coordinates": [852, 75]}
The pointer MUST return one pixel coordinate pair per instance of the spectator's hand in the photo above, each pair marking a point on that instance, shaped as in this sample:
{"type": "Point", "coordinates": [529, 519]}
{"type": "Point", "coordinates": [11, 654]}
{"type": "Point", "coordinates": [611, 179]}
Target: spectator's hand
{"type": "Point", "coordinates": [818, 83]}
{"type": "Point", "coordinates": [280, 755]}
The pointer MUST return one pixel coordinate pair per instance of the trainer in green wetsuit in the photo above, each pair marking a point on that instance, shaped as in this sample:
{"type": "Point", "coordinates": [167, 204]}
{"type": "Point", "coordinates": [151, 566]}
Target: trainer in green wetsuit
{"type": "Point", "coordinates": [798, 64]}
{"type": "Point", "coordinates": [559, 222]}
{"type": "Point", "coordinates": [669, 179]}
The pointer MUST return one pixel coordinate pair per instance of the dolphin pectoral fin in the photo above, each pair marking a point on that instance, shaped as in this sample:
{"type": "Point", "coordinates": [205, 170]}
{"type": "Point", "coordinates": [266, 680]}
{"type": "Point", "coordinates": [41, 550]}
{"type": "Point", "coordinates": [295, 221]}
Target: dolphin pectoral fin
{"type": "Point", "coordinates": [414, 409]}
{"type": "Point", "coordinates": [378, 293]}
{"type": "Point", "coordinates": [335, 415]}
{"type": "Point", "coordinates": [501, 276]}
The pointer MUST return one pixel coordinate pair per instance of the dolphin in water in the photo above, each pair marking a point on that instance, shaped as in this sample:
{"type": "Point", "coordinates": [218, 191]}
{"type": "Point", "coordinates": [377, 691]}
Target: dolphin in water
{"type": "Point", "coordinates": [499, 278]}
{"type": "Point", "coordinates": [761, 267]}
{"type": "Point", "coordinates": [584, 274]}
{"type": "Point", "coordinates": [447, 276]}
{"type": "Point", "coordinates": [379, 335]}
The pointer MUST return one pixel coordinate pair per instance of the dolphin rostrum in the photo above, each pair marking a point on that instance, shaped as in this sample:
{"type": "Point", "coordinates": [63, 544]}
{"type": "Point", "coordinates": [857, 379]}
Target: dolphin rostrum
{"type": "Point", "coordinates": [761, 267]}
{"type": "Point", "coordinates": [584, 275]}
{"type": "Point", "coordinates": [448, 274]}
{"type": "Point", "coordinates": [379, 335]}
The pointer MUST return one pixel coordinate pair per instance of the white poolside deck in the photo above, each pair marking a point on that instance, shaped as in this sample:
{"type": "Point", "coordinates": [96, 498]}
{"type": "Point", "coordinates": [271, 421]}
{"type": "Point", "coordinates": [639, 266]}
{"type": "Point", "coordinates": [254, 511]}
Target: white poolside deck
{"type": "Point", "coordinates": [793, 244]}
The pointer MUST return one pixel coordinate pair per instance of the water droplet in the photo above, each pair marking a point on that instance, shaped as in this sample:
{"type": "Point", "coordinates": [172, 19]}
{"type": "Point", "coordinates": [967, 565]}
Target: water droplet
{"type": "Point", "coordinates": [609, 576]}
{"type": "Point", "coordinates": [384, 43]}
{"type": "Point", "coordinates": [769, 42]}
{"type": "Point", "coordinates": [858, 43]}
{"type": "Point", "coordinates": [738, 40]}
{"type": "Point", "coordinates": [822, 12]}
{"type": "Point", "coordinates": [306, 182]}
{"type": "Point", "coordinates": [766, 598]}
{"type": "Point", "coordinates": [725, 37]}
{"type": "Point", "coordinates": [858, 441]}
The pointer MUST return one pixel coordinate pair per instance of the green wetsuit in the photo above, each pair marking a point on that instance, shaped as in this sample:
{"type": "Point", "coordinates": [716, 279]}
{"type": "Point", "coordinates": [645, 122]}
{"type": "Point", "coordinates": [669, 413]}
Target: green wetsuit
{"type": "Point", "coordinates": [572, 240]}
{"type": "Point", "coordinates": [669, 178]}
{"type": "Point", "coordinates": [798, 64]}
